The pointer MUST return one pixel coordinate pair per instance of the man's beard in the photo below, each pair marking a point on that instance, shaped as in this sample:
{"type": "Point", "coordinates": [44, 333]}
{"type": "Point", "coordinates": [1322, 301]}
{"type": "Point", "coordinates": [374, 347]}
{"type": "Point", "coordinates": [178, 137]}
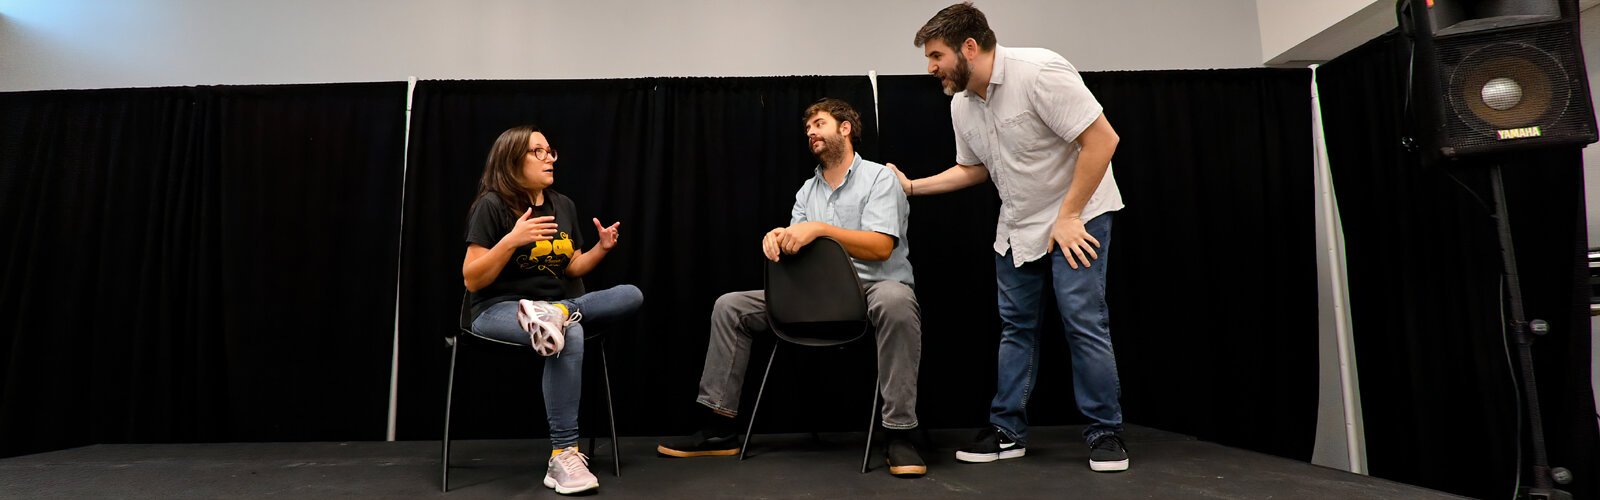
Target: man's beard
{"type": "Point", "coordinates": [959, 76]}
{"type": "Point", "coordinates": [832, 150]}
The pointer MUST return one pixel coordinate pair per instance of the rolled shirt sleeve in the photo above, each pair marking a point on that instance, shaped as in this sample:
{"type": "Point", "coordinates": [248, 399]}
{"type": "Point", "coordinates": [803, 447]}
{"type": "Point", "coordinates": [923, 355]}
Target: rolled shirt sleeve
{"type": "Point", "coordinates": [883, 207]}
{"type": "Point", "coordinates": [1062, 101]}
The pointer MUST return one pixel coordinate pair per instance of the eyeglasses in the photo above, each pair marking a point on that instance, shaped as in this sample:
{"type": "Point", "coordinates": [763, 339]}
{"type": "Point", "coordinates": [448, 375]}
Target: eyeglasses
{"type": "Point", "coordinates": [544, 154]}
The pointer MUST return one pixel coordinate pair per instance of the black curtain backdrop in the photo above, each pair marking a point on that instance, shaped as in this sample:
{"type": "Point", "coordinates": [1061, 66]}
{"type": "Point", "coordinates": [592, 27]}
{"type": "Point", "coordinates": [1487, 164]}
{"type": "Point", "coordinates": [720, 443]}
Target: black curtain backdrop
{"type": "Point", "coordinates": [1213, 277]}
{"type": "Point", "coordinates": [1215, 296]}
{"type": "Point", "coordinates": [243, 202]}
{"type": "Point", "coordinates": [197, 264]}
{"type": "Point", "coordinates": [1424, 272]}
{"type": "Point", "coordinates": [697, 169]}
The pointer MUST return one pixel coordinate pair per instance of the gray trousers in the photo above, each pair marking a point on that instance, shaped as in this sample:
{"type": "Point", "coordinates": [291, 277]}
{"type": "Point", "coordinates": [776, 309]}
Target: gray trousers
{"type": "Point", "coordinates": [891, 307]}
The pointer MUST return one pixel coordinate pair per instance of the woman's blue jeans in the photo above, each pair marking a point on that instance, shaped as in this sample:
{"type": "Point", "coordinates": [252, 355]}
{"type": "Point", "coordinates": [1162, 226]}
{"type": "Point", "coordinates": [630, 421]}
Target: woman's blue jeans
{"type": "Point", "coordinates": [563, 373]}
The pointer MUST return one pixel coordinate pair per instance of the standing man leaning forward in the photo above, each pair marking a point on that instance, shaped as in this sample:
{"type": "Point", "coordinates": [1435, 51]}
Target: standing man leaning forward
{"type": "Point", "coordinates": [1024, 119]}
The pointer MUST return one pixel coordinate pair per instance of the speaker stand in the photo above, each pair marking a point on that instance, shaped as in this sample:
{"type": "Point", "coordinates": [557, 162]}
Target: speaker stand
{"type": "Point", "coordinates": [1543, 487]}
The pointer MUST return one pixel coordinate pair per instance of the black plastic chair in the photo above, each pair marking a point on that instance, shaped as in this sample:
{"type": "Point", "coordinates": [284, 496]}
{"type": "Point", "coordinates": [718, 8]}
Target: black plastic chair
{"type": "Point", "coordinates": [814, 298]}
{"type": "Point", "coordinates": [454, 339]}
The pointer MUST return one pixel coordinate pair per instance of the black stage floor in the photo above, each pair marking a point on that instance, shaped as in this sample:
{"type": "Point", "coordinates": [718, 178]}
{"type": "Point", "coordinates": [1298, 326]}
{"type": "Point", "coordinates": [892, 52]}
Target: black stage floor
{"type": "Point", "coordinates": [1164, 465]}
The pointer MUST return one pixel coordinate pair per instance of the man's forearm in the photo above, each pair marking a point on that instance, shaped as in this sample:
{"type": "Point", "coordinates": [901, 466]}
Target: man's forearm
{"type": "Point", "coordinates": [1092, 165]}
{"type": "Point", "coordinates": [1098, 142]}
{"type": "Point", "coordinates": [953, 178]}
{"type": "Point", "coordinates": [864, 245]}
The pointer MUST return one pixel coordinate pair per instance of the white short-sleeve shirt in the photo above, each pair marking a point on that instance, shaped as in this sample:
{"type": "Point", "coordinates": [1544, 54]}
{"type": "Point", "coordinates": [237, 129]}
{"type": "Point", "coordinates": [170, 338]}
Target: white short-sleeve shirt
{"type": "Point", "coordinates": [1026, 134]}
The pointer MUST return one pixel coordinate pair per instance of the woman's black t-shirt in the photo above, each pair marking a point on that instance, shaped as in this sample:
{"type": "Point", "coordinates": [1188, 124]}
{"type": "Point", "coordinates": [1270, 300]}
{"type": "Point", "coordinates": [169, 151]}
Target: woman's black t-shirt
{"type": "Point", "coordinates": [536, 271]}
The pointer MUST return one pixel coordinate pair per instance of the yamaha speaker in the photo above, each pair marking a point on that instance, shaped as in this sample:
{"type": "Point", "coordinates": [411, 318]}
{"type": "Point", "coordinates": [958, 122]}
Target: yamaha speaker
{"type": "Point", "coordinates": [1493, 76]}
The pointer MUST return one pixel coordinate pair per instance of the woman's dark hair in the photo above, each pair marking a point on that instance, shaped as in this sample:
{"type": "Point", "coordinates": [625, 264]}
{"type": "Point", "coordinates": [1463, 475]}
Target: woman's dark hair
{"type": "Point", "coordinates": [502, 171]}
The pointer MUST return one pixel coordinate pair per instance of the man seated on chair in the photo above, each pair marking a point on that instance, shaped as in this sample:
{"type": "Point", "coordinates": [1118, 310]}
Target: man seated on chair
{"type": "Point", "coordinates": [860, 204]}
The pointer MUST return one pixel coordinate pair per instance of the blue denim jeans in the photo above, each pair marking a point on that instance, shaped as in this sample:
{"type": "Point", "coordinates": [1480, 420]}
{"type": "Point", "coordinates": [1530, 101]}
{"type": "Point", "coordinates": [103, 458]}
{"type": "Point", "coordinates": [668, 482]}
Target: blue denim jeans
{"type": "Point", "coordinates": [563, 373]}
{"type": "Point", "coordinates": [1081, 299]}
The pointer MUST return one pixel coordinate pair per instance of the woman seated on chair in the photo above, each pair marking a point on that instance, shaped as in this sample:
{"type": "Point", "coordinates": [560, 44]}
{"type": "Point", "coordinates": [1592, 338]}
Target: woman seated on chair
{"type": "Point", "coordinates": [524, 251]}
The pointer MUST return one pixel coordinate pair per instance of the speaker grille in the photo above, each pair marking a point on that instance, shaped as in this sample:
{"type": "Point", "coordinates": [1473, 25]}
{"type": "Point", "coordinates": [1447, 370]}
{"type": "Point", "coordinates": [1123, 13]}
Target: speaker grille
{"type": "Point", "coordinates": [1504, 84]}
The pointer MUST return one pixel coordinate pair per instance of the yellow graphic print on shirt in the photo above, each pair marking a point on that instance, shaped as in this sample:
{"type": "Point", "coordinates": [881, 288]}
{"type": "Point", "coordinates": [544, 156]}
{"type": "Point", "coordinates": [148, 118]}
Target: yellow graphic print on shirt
{"type": "Point", "coordinates": [550, 256]}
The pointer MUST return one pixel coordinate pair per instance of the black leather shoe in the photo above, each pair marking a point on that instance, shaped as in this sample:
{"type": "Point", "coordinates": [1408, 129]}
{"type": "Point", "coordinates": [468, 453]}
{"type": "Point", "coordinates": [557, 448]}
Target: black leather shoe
{"type": "Point", "coordinates": [904, 461]}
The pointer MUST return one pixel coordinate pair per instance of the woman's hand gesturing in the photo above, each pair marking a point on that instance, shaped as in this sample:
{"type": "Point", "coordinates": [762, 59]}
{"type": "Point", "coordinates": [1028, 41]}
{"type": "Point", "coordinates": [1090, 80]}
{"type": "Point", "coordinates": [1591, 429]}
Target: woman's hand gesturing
{"type": "Point", "coordinates": [608, 235]}
{"type": "Point", "coordinates": [529, 229]}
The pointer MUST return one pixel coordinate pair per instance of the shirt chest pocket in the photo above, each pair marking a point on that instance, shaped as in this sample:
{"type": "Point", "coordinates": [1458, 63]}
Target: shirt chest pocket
{"type": "Point", "coordinates": [847, 216]}
{"type": "Point", "coordinates": [1025, 136]}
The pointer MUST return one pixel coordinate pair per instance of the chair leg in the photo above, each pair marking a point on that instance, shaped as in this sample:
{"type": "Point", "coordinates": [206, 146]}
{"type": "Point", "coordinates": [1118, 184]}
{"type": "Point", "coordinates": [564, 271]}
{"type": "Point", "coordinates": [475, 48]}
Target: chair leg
{"type": "Point", "coordinates": [872, 424]}
{"type": "Point", "coordinates": [752, 427]}
{"type": "Point", "coordinates": [449, 393]}
{"type": "Point", "coordinates": [611, 416]}
{"type": "Point", "coordinates": [586, 419]}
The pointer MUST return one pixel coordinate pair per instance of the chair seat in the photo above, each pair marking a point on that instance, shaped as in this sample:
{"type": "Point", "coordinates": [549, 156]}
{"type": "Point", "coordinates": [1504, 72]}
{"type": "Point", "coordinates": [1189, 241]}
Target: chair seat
{"type": "Point", "coordinates": [825, 333]}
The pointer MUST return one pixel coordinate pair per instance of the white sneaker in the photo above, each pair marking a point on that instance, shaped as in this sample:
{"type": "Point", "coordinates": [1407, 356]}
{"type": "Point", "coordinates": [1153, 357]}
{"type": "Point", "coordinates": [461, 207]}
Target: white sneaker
{"type": "Point", "coordinates": [546, 325]}
{"type": "Point", "coordinates": [569, 473]}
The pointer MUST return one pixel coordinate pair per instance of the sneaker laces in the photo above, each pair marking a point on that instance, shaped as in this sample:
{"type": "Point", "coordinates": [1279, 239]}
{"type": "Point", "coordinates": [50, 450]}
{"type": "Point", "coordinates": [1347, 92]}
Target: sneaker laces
{"type": "Point", "coordinates": [988, 433]}
{"type": "Point", "coordinates": [1105, 443]}
{"type": "Point", "coordinates": [571, 318]}
{"type": "Point", "coordinates": [572, 461]}
{"type": "Point", "coordinates": [552, 316]}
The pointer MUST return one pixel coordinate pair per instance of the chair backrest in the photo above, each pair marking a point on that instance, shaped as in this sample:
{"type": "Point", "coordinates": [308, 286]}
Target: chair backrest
{"type": "Point", "coordinates": [814, 297]}
{"type": "Point", "coordinates": [464, 321]}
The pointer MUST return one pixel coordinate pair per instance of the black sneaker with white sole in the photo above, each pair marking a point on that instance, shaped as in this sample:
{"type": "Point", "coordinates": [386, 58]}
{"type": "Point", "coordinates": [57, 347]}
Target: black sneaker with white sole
{"type": "Point", "coordinates": [990, 445]}
{"type": "Point", "coordinates": [1108, 454]}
